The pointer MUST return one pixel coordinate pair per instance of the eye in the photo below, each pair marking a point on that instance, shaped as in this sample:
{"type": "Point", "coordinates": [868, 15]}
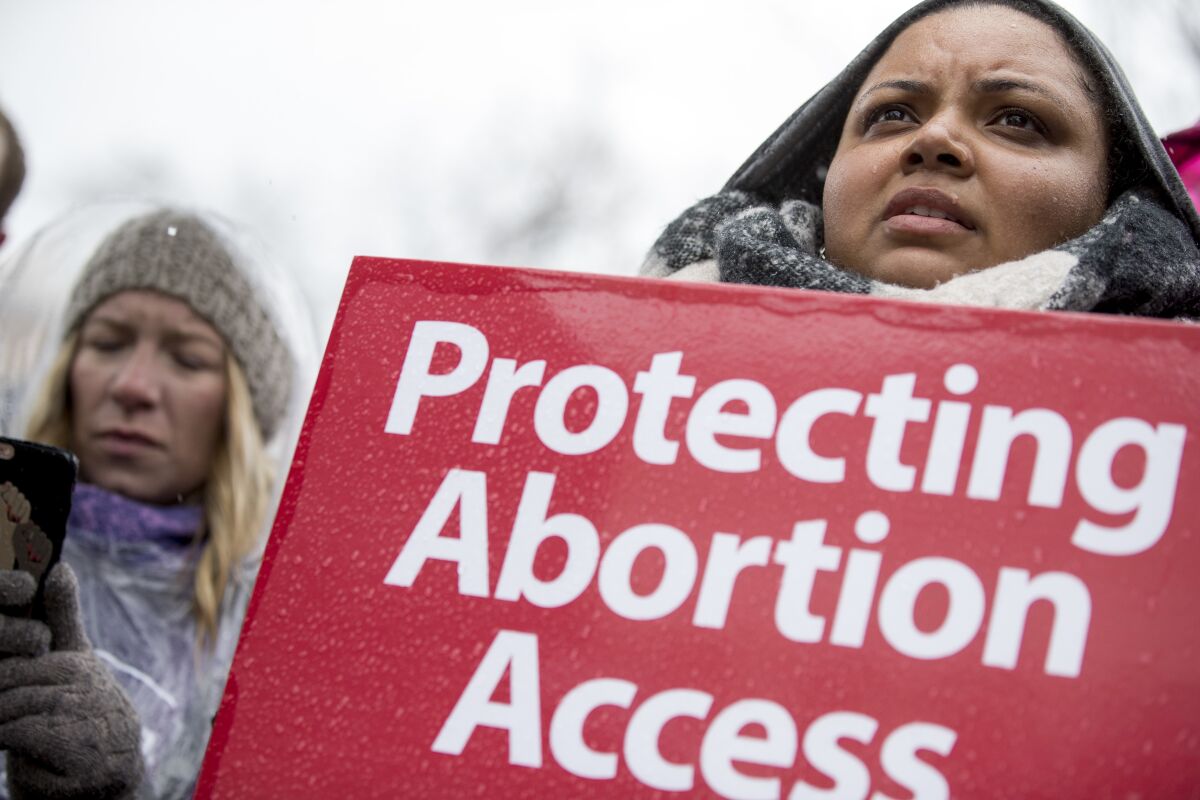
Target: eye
{"type": "Point", "coordinates": [890, 113]}
{"type": "Point", "coordinates": [192, 362]}
{"type": "Point", "coordinates": [195, 357]}
{"type": "Point", "coordinates": [104, 343]}
{"type": "Point", "coordinates": [1019, 119]}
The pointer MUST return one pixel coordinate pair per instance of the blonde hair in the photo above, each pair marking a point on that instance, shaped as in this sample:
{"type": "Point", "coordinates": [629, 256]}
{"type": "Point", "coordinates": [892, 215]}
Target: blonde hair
{"type": "Point", "coordinates": [236, 491]}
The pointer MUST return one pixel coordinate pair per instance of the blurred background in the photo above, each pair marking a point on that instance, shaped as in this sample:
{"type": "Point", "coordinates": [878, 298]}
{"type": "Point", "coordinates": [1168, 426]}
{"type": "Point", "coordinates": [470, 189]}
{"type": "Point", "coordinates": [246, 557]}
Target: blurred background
{"type": "Point", "coordinates": [562, 135]}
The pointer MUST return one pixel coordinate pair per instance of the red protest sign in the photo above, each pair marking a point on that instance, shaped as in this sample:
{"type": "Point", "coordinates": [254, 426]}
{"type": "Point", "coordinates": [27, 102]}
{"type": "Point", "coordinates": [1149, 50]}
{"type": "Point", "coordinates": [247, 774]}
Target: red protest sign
{"type": "Point", "coordinates": [561, 535]}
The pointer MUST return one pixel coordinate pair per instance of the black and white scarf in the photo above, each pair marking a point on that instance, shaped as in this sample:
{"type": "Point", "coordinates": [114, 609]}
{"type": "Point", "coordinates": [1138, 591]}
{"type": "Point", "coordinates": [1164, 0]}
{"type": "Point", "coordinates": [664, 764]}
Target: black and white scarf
{"type": "Point", "coordinates": [1139, 259]}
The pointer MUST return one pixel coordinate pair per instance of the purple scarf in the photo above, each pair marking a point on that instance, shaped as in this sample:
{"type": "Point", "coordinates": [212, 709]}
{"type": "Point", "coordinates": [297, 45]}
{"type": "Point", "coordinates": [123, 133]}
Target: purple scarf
{"type": "Point", "coordinates": [102, 514]}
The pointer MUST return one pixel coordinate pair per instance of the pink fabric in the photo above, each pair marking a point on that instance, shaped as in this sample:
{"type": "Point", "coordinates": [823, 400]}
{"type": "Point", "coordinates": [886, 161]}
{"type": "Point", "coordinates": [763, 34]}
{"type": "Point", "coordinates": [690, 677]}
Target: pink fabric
{"type": "Point", "coordinates": [1184, 149]}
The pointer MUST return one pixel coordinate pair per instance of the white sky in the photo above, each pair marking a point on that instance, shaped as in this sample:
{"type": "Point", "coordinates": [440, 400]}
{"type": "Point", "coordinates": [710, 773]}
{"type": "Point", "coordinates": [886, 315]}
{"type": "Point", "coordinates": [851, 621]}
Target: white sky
{"type": "Point", "coordinates": [434, 129]}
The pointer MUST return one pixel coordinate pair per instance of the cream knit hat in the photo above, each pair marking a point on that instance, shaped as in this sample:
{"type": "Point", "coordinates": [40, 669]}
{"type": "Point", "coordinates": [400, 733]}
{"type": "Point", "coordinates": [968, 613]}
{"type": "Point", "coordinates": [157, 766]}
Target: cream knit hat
{"type": "Point", "coordinates": [176, 253]}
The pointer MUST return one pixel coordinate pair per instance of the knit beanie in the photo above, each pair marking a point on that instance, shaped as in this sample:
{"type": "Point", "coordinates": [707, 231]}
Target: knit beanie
{"type": "Point", "coordinates": [176, 253]}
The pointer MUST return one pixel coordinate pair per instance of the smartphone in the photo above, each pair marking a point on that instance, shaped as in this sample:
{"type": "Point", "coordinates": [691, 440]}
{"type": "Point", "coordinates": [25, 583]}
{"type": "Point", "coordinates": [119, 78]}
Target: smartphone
{"type": "Point", "coordinates": [36, 482]}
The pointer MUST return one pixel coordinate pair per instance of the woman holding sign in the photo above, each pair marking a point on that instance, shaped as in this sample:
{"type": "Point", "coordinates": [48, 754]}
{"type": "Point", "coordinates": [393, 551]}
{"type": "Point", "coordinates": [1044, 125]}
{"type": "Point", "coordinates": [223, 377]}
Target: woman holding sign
{"type": "Point", "coordinates": [175, 371]}
{"type": "Point", "coordinates": [981, 153]}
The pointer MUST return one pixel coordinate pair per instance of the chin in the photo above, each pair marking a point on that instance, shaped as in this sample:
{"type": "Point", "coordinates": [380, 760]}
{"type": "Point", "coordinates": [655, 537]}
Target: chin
{"type": "Point", "coordinates": [134, 487]}
{"type": "Point", "coordinates": [916, 270]}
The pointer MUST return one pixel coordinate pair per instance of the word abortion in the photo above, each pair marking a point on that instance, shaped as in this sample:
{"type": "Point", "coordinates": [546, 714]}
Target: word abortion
{"type": "Point", "coordinates": [800, 561]}
{"type": "Point", "coordinates": [744, 408]}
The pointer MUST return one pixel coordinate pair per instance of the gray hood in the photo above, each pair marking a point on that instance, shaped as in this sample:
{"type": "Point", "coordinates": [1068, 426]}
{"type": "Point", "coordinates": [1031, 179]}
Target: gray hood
{"type": "Point", "coordinates": [791, 163]}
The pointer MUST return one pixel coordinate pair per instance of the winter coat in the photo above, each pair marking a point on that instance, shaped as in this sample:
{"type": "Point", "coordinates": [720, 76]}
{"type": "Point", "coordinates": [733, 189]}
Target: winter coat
{"type": "Point", "coordinates": [766, 227]}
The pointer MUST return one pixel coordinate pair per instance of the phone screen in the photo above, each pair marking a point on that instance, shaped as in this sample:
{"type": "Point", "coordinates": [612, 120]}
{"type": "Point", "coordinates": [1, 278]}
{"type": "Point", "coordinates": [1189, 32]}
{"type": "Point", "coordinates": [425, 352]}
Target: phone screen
{"type": "Point", "coordinates": [36, 482]}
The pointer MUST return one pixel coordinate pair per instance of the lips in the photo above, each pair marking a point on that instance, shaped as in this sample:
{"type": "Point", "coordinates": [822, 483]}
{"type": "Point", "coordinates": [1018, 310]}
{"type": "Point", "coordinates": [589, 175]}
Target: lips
{"type": "Point", "coordinates": [127, 440]}
{"type": "Point", "coordinates": [927, 210]}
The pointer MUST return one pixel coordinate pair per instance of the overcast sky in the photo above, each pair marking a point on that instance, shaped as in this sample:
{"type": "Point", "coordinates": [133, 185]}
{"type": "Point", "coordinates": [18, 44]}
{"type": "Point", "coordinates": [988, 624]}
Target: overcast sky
{"type": "Point", "coordinates": [551, 134]}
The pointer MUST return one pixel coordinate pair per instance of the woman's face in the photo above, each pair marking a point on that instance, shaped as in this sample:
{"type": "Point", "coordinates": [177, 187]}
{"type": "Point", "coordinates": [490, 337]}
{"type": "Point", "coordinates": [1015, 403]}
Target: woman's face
{"type": "Point", "coordinates": [148, 391]}
{"type": "Point", "coordinates": [972, 142]}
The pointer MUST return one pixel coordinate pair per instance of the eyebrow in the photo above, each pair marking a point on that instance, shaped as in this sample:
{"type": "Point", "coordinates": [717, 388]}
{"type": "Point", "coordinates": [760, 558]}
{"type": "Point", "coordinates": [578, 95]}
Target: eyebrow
{"type": "Point", "coordinates": [912, 87]}
{"type": "Point", "coordinates": [982, 86]}
{"type": "Point", "coordinates": [181, 335]}
{"type": "Point", "coordinates": [998, 85]}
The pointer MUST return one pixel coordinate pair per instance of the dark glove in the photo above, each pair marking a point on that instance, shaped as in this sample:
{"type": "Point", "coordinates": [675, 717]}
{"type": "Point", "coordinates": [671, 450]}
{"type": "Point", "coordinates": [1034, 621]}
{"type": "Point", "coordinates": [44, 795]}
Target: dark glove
{"type": "Point", "coordinates": [69, 730]}
{"type": "Point", "coordinates": [20, 636]}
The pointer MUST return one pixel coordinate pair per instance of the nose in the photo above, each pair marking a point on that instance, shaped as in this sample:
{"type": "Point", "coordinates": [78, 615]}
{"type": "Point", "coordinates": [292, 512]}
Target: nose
{"type": "Point", "coordinates": [135, 384]}
{"type": "Point", "coordinates": [938, 145]}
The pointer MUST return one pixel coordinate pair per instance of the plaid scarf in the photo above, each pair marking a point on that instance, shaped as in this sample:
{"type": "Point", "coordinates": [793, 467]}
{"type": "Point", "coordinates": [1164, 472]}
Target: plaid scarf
{"type": "Point", "coordinates": [1139, 259]}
